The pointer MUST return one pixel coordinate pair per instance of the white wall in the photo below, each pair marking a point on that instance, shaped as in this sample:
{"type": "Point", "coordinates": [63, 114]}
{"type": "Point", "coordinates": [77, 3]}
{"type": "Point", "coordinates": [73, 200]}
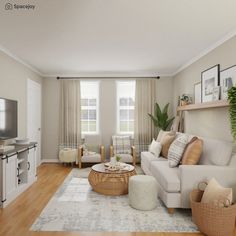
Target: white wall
{"type": "Point", "coordinates": [13, 85]}
{"type": "Point", "coordinates": [210, 122]}
{"type": "Point", "coordinates": [107, 111]}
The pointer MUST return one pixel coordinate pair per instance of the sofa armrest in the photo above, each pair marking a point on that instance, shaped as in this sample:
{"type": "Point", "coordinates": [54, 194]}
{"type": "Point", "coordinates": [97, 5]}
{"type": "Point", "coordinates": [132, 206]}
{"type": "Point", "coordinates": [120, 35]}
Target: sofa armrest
{"type": "Point", "coordinates": [133, 153]}
{"type": "Point", "coordinates": [191, 175]}
{"type": "Point", "coordinates": [80, 154]}
{"type": "Point", "coordinates": [102, 152]}
{"type": "Point", "coordinates": [111, 151]}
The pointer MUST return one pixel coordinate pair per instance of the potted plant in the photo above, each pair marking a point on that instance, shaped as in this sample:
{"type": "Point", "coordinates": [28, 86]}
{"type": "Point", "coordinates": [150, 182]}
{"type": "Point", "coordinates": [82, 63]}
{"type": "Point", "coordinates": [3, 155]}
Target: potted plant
{"type": "Point", "coordinates": [160, 118]}
{"type": "Point", "coordinates": [185, 99]}
{"type": "Point", "coordinates": [232, 110]}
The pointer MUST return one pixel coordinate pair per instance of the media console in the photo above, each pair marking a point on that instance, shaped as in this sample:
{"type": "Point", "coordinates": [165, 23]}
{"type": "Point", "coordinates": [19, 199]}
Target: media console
{"type": "Point", "coordinates": [17, 171]}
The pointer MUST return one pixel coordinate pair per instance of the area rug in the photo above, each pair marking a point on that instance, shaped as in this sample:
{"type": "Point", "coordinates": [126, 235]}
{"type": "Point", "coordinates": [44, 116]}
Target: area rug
{"type": "Point", "coordinates": [76, 207]}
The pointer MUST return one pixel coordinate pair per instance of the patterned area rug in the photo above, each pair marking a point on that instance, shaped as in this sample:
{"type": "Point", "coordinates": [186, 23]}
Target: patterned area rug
{"type": "Point", "coordinates": [75, 207]}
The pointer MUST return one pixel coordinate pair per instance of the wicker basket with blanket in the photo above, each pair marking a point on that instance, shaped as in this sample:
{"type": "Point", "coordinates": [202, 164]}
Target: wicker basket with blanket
{"type": "Point", "coordinates": [211, 219]}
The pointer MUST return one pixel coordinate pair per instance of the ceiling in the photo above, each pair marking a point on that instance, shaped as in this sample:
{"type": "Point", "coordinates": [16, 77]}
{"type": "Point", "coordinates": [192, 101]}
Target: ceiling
{"type": "Point", "coordinates": [119, 37]}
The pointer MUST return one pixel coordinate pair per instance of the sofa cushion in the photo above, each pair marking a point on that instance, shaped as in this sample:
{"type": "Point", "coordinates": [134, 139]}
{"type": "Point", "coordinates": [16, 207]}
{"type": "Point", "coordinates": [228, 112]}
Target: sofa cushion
{"type": "Point", "coordinates": [147, 158]}
{"type": "Point", "coordinates": [167, 177]}
{"type": "Point", "coordinates": [126, 158]}
{"type": "Point", "coordinates": [91, 158]}
{"type": "Point", "coordinates": [216, 152]}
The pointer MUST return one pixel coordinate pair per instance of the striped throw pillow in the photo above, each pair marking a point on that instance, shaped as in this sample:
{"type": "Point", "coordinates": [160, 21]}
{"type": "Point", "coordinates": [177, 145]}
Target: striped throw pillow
{"type": "Point", "coordinates": [121, 144]}
{"type": "Point", "coordinates": [176, 150]}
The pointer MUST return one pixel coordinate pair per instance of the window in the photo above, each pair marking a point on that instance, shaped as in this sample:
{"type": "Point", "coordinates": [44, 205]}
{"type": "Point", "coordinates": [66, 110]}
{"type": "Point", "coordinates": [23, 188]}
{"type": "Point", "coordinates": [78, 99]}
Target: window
{"type": "Point", "coordinates": [125, 105]}
{"type": "Point", "coordinates": [89, 106]}
{"type": "Point", "coordinates": [2, 115]}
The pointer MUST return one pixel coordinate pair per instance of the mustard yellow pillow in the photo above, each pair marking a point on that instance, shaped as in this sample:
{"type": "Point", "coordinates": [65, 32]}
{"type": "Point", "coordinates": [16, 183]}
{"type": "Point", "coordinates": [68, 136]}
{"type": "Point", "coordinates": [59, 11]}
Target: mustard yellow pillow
{"type": "Point", "coordinates": [192, 152]}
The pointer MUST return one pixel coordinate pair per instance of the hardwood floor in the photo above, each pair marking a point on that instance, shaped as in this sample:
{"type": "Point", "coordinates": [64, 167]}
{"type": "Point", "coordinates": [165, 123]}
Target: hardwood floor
{"type": "Point", "coordinates": [17, 218]}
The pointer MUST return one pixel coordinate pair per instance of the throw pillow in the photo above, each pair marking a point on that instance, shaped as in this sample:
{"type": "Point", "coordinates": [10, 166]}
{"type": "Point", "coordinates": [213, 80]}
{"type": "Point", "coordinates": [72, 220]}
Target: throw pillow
{"type": "Point", "coordinates": [155, 148]}
{"type": "Point", "coordinates": [176, 150]}
{"type": "Point", "coordinates": [166, 141]}
{"type": "Point", "coordinates": [121, 144]}
{"type": "Point", "coordinates": [216, 194]}
{"type": "Point", "coordinates": [162, 133]}
{"type": "Point", "coordinates": [92, 148]}
{"type": "Point", "coordinates": [192, 152]}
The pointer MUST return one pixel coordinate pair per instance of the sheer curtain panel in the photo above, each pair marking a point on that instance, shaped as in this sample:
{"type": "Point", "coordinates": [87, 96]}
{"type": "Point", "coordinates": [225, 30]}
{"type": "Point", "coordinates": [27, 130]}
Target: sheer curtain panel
{"type": "Point", "coordinates": [70, 113]}
{"type": "Point", "coordinates": [145, 99]}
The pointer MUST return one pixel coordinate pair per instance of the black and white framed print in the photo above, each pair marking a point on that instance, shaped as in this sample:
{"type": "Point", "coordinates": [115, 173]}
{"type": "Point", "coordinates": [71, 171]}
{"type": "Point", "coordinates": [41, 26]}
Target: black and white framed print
{"type": "Point", "coordinates": [210, 80]}
{"type": "Point", "coordinates": [227, 80]}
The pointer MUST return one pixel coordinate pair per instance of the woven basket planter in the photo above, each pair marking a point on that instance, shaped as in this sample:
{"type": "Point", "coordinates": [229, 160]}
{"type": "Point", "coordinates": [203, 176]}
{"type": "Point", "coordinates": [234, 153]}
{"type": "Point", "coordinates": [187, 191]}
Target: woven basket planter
{"type": "Point", "coordinates": [210, 219]}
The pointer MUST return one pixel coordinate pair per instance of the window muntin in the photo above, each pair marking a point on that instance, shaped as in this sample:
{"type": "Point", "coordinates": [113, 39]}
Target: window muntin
{"type": "Point", "coordinates": [125, 106]}
{"type": "Point", "coordinates": [89, 107]}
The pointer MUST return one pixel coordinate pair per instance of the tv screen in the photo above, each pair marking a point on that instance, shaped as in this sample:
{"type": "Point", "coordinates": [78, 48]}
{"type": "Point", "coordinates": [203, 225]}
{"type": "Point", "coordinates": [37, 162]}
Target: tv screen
{"type": "Point", "coordinates": [8, 119]}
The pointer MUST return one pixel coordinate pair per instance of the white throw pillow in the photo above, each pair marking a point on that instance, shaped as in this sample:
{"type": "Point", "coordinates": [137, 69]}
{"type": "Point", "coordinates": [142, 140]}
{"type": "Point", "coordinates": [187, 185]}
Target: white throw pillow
{"type": "Point", "coordinates": [155, 148]}
{"type": "Point", "coordinates": [176, 150]}
{"type": "Point", "coordinates": [216, 194]}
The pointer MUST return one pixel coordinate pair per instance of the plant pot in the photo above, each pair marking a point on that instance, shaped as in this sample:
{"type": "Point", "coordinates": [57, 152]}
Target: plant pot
{"type": "Point", "coordinates": [184, 103]}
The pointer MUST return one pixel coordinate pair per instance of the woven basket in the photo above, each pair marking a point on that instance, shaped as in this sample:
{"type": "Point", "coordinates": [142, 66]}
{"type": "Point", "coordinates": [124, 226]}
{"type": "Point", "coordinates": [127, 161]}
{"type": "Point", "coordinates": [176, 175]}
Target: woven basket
{"type": "Point", "coordinates": [210, 219]}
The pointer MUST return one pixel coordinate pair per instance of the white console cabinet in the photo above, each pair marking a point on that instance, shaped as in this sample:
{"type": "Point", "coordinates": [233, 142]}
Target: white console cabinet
{"type": "Point", "coordinates": [18, 172]}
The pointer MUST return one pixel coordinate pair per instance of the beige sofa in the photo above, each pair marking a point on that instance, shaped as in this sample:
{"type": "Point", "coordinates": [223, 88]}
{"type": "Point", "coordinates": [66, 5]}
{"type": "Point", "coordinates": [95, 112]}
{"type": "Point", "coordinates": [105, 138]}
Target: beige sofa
{"type": "Point", "coordinates": [176, 183]}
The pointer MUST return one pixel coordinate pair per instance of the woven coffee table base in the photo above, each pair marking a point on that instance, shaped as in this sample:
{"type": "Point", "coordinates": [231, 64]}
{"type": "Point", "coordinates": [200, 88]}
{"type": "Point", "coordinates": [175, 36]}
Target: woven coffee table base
{"type": "Point", "coordinates": [110, 183]}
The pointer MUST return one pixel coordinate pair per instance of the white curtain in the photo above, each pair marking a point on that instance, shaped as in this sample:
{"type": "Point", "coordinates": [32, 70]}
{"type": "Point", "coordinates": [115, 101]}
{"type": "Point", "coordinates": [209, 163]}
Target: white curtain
{"type": "Point", "coordinates": [70, 110]}
{"type": "Point", "coordinates": [145, 99]}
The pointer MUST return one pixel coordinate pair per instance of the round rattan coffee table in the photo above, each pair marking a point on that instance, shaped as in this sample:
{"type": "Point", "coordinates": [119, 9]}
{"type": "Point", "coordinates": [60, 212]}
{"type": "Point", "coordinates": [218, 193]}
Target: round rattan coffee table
{"type": "Point", "coordinates": [108, 182]}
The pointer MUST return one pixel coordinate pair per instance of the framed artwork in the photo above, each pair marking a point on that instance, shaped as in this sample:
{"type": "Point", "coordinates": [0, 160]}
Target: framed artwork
{"type": "Point", "coordinates": [197, 93]}
{"type": "Point", "coordinates": [227, 80]}
{"type": "Point", "coordinates": [210, 80]}
{"type": "Point", "coordinates": [216, 93]}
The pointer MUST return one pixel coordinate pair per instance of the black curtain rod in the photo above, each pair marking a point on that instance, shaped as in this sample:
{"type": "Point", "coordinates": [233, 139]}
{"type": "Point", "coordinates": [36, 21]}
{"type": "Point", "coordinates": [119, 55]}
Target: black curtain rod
{"type": "Point", "coordinates": [156, 77]}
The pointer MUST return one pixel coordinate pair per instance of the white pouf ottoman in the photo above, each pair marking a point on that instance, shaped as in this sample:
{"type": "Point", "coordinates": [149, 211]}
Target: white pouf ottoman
{"type": "Point", "coordinates": [68, 155]}
{"type": "Point", "coordinates": [143, 192]}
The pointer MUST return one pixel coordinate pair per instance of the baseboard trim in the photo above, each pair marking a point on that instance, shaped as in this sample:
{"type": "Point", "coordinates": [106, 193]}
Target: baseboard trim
{"type": "Point", "coordinates": [50, 161]}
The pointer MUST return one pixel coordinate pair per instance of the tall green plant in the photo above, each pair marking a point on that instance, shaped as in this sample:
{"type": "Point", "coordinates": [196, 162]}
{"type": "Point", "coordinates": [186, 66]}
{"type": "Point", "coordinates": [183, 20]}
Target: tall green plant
{"type": "Point", "coordinates": [160, 117]}
{"type": "Point", "coordinates": [232, 110]}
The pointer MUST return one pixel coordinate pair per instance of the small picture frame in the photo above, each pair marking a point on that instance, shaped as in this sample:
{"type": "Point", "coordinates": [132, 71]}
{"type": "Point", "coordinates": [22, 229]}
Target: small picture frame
{"type": "Point", "coordinates": [210, 80]}
{"type": "Point", "coordinates": [227, 80]}
{"type": "Point", "coordinates": [197, 93]}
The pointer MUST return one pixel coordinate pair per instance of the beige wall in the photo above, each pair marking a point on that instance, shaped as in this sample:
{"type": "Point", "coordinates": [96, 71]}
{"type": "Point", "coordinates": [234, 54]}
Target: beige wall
{"type": "Point", "coordinates": [211, 122]}
{"type": "Point", "coordinates": [13, 85]}
{"type": "Point", "coordinates": [107, 111]}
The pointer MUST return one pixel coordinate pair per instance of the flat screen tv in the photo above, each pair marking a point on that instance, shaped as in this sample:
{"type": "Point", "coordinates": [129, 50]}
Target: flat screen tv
{"type": "Point", "coordinates": [8, 119]}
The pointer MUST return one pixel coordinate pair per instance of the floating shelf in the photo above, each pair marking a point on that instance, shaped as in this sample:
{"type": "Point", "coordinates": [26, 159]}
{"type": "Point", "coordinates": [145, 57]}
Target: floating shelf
{"type": "Point", "coordinates": [205, 105]}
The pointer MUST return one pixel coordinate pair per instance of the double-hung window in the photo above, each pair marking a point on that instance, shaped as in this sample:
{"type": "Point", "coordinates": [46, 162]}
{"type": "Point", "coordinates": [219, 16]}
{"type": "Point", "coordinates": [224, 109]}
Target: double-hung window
{"type": "Point", "coordinates": [2, 115]}
{"type": "Point", "coordinates": [125, 106]}
{"type": "Point", "coordinates": [89, 107]}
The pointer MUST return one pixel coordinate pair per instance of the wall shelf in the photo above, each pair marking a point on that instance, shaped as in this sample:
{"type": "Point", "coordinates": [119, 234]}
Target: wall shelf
{"type": "Point", "coordinates": [205, 105]}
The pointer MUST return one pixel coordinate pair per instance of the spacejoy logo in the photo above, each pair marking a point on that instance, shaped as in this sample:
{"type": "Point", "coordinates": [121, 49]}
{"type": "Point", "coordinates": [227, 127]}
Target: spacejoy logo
{"type": "Point", "coordinates": [14, 6]}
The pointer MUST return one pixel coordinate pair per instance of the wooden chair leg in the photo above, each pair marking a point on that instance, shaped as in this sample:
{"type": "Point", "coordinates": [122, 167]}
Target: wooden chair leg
{"type": "Point", "coordinates": [171, 210]}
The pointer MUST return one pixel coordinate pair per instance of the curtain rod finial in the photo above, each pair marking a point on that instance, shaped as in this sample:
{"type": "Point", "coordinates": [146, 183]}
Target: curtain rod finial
{"type": "Point", "coordinates": [58, 77]}
{"type": "Point", "coordinates": [158, 77]}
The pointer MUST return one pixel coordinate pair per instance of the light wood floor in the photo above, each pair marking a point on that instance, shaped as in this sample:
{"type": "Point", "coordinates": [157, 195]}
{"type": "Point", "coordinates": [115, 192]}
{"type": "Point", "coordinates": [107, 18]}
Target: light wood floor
{"type": "Point", "coordinates": [17, 218]}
